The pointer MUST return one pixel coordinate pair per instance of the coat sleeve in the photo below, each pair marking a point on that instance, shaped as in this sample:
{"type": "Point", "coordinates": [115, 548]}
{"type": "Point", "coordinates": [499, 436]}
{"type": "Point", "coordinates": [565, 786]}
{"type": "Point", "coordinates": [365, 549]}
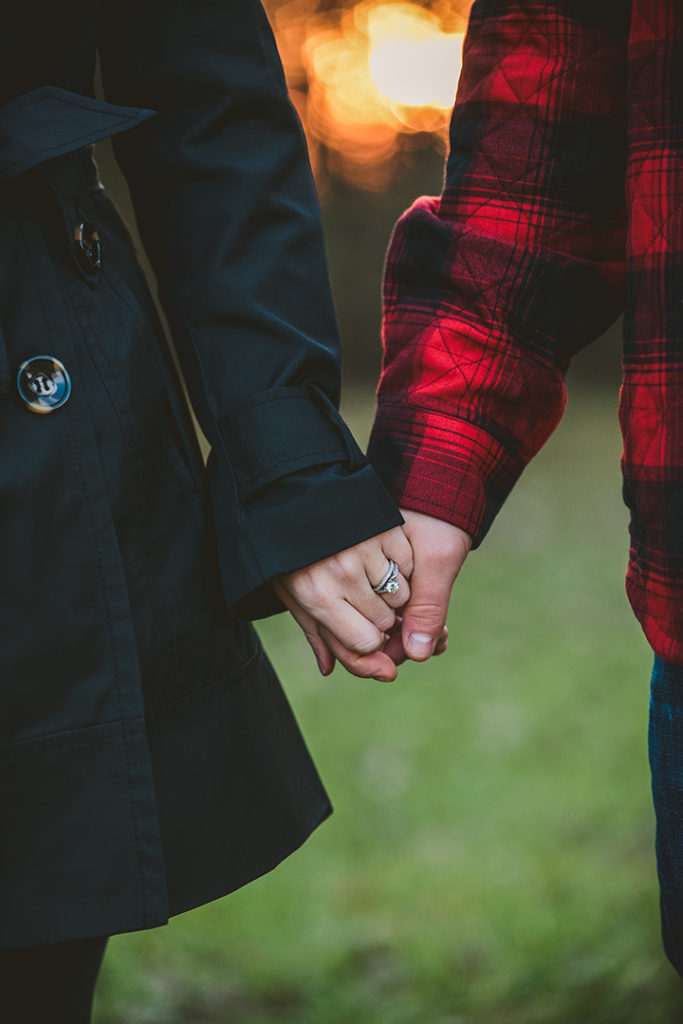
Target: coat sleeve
{"type": "Point", "coordinates": [493, 286]}
{"type": "Point", "coordinates": [227, 211]}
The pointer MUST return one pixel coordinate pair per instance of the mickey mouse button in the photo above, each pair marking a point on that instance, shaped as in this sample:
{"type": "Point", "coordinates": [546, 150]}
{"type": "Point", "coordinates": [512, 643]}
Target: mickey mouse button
{"type": "Point", "coordinates": [43, 383]}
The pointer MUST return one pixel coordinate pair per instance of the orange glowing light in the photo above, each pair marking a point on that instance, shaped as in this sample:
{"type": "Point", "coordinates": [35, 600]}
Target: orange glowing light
{"type": "Point", "coordinates": [371, 80]}
{"type": "Point", "coordinates": [412, 60]}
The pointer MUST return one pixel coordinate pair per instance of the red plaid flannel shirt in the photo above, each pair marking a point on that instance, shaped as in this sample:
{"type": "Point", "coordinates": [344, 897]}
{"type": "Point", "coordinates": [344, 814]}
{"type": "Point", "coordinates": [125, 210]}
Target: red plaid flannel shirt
{"type": "Point", "coordinates": [563, 204]}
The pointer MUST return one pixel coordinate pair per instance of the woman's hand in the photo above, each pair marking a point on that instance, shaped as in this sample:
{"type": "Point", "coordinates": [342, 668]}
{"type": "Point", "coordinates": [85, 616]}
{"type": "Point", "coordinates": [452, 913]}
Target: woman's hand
{"type": "Point", "coordinates": [341, 614]}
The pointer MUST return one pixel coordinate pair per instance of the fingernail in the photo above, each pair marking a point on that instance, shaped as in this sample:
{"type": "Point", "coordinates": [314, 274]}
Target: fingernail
{"type": "Point", "coordinates": [420, 643]}
{"type": "Point", "coordinates": [384, 679]}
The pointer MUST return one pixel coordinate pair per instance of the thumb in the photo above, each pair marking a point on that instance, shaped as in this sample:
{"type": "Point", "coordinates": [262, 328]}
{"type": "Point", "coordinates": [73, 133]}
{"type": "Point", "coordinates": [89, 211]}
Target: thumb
{"type": "Point", "coordinates": [439, 551]}
{"type": "Point", "coordinates": [425, 614]}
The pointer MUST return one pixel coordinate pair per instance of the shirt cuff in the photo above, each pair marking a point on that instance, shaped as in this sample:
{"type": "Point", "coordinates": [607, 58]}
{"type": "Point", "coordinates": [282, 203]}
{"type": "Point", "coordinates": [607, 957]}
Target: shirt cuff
{"type": "Point", "coordinates": [289, 487]}
{"type": "Point", "coordinates": [442, 465]}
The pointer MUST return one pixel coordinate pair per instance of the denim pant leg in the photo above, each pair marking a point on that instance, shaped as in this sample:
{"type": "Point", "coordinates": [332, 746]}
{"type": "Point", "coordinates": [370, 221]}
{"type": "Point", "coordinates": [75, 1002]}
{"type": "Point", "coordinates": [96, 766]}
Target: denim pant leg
{"type": "Point", "coordinates": [666, 765]}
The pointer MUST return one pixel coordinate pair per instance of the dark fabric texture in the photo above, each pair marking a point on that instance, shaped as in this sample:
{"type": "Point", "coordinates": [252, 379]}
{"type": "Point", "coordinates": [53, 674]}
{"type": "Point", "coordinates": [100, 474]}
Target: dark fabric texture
{"type": "Point", "coordinates": [52, 984]}
{"type": "Point", "coordinates": [666, 765]}
{"type": "Point", "coordinates": [49, 122]}
{"type": "Point", "coordinates": [149, 760]}
{"type": "Point", "coordinates": [562, 207]}
{"type": "Point", "coordinates": [247, 295]}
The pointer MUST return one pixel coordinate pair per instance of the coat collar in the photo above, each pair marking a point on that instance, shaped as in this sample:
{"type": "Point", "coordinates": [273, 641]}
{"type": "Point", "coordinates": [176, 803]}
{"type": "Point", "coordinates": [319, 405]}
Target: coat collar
{"type": "Point", "coordinates": [50, 121]}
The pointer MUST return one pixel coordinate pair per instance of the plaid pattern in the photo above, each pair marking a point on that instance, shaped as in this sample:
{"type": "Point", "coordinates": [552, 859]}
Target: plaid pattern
{"type": "Point", "coordinates": [563, 204]}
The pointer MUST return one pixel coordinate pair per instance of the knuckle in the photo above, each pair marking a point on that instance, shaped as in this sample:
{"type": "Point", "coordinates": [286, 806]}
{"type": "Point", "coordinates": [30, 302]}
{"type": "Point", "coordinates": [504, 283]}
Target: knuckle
{"type": "Point", "coordinates": [365, 644]}
{"type": "Point", "coordinates": [386, 620]}
{"type": "Point", "coordinates": [346, 566]}
{"type": "Point", "coordinates": [312, 591]}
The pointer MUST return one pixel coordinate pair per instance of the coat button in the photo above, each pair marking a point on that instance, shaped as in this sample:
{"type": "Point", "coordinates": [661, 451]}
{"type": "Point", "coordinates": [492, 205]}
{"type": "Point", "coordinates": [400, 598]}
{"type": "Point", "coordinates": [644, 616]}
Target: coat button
{"type": "Point", "coordinates": [43, 383]}
{"type": "Point", "coordinates": [87, 247]}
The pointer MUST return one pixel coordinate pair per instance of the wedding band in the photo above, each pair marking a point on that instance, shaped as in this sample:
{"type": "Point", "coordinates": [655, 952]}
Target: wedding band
{"type": "Point", "coordinates": [389, 583]}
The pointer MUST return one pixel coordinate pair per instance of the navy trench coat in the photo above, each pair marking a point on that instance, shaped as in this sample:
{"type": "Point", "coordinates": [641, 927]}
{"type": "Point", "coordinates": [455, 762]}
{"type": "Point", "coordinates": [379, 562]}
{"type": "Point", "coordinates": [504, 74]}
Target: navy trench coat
{"type": "Point", "coordinates": [149, 761]}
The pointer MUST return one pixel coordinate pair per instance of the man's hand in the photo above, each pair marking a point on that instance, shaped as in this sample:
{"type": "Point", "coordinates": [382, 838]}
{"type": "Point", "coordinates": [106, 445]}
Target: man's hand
{"type": "Point", "coordinates": [439, 550]}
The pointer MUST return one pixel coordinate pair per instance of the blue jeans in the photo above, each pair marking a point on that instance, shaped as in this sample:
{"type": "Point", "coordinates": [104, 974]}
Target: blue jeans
{"type": "Point", "coordinates": [666, 764]}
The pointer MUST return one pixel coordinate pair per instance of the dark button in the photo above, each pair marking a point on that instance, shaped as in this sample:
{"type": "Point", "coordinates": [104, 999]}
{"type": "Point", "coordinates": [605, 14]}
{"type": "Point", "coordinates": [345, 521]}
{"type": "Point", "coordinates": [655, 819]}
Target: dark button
{"type": "Point", "coordinates": [87, 246]}
{"type": "Point", "coordinates": [43, 383]}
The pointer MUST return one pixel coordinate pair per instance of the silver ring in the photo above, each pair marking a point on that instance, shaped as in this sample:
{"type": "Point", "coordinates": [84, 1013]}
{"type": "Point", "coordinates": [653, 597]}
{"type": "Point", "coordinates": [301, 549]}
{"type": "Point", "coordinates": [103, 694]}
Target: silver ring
{"type": "Point", "coordinates": [389, 583]}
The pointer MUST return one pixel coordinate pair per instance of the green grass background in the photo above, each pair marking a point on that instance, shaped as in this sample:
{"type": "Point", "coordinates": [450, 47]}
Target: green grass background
{"type": "Point", "coordinates": [490, 857]}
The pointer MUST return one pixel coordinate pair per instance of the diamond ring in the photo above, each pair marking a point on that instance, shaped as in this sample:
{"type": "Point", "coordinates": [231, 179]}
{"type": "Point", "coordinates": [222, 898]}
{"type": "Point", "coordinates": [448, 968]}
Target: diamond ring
{"type": "Point", "coordinates": [389, 583]}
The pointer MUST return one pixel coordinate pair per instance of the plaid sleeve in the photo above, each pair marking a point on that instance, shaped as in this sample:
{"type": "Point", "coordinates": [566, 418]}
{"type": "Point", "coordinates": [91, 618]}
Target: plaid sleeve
{"type": "Point", "coordinates": [493, 286]}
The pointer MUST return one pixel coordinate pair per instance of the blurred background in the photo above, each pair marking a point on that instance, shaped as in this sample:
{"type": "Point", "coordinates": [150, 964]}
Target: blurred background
{"type": "Point", "coordinates": [490, 859]}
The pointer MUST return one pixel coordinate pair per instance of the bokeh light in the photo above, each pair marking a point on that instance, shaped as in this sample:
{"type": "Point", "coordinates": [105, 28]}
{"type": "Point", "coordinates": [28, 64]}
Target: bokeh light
{"type": "Point", "coordinates": [371, 81]}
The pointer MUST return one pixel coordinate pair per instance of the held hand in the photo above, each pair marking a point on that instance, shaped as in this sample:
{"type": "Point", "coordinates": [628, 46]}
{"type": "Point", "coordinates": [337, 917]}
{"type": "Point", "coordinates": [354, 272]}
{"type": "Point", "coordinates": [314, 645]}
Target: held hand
{"type": "Point", "coordinates": [341, 615]}
{"type": "Point", "coordinates": [439, 550]}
